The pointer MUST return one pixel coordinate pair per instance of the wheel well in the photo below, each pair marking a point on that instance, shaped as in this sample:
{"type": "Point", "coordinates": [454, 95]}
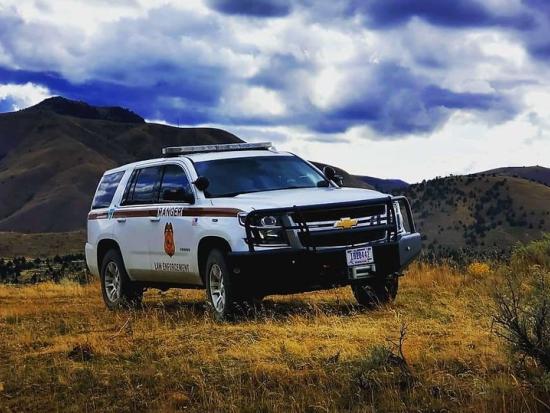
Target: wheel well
{"type": "Point", "coordinates": [206, 245]}
{"type": "Point", "coordinates": [102, 247]}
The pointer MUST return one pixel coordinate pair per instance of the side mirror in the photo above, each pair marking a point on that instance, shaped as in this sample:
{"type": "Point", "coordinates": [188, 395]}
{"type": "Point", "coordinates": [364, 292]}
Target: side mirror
{"type": "Point", "coordinates": [201, 183]}
{"type": "Point", "coordinates": [330, 174]}
{"type": "Point", "coordinates": [178, 195]}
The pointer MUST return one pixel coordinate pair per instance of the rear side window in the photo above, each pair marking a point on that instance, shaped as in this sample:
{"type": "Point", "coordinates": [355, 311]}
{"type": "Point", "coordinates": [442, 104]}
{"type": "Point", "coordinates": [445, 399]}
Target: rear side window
{"type": "Point", "coordinates": [106, 190]}
{"type": "Point", "coordinates": [144, 185]}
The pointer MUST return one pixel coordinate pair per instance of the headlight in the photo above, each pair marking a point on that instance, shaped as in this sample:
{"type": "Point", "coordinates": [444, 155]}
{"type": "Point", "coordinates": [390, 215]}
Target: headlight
{"type": "Point", "coordinates": [266, 230]}
{"type": "Point", "coordinates": [398, 217]}
{"type": "Point", "coordinates": [268, 221]}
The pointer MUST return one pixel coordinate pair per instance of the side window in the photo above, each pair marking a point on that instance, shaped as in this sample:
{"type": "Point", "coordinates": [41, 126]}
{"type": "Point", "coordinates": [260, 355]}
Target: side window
{"type": "Point", "coordinates": [129, 190]}
{"type": "Point", "coordinates": [175, 186]}
{"type": "Point", "coordinates": [143, 187]}
{"type": "Point", "coordinates": [106, 190]}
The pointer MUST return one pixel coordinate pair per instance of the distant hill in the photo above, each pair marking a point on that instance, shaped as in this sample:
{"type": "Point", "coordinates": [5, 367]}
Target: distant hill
{"type": "Point", "coordinates": [383, 185]}
{"type": "Point", "coordinates": [349, 180]}
{"type": "Point", "coordinates": [537, 173]}
{"type": "Point", "coordinates": [480, 212]}
{"type": "Point", "coordinates": [53, 154]}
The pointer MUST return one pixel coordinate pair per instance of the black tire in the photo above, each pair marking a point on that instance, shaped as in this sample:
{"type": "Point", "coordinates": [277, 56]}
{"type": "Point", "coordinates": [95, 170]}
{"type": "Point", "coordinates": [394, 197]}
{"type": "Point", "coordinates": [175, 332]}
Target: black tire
{"type": "Point", "coordinates": [121, 292]}
{"type": "Point", "coordinates": [374, 293]}
{"type": "Point", "coordinates": [224, 295]}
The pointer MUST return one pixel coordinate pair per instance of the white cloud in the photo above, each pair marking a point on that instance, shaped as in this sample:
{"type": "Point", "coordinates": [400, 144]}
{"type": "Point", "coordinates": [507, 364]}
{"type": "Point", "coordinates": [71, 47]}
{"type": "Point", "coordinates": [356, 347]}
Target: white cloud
{"type": "Point", "coordinates": [22, 96]}
{"type": "Point", "coordinates": [251, 102]}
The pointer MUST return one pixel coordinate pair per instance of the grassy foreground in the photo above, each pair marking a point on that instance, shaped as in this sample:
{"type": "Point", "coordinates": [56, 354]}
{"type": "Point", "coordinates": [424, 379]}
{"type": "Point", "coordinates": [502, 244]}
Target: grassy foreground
{"type": "Point", "coordinates": [61, 350]}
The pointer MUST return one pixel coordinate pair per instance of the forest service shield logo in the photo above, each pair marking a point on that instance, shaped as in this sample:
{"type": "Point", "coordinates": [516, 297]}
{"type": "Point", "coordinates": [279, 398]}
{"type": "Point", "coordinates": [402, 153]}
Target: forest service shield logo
{"type": "Point", "coordinates": [169, 244]}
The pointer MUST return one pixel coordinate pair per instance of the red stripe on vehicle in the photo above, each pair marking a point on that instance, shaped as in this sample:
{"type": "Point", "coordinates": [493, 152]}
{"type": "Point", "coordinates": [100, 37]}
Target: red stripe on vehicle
{"type": "Point", "coordinates": [153, 212]}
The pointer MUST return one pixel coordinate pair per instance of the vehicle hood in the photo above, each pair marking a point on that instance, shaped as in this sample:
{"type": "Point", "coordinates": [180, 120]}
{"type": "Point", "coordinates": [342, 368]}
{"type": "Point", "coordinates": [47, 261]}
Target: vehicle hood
{"type": "Point", "coordinates": [296, 197]}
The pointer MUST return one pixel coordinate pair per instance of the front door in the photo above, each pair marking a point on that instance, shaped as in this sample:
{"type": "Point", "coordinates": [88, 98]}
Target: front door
{"type": "Point", "coordinates": [170, 240]}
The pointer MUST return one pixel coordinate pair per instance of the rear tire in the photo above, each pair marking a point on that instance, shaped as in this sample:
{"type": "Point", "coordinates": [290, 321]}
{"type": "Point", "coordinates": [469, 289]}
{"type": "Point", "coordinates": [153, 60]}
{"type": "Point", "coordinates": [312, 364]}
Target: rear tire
{"type": "Point", "coordinates": [374, 293]}
{"type": "Point", "coordinates": [117, 289]}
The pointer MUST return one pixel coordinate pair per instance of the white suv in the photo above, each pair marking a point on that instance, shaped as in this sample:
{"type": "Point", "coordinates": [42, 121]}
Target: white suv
{"type": "Point", "coordinates": [243, 221]}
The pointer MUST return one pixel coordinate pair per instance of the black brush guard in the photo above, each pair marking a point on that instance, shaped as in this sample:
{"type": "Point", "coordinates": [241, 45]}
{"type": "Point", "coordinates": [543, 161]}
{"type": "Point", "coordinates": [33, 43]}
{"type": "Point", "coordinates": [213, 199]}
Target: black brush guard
{"type": "Point", "coordinates": [308, 238]}
{"type": "Point", "coordinates": [304, 265]}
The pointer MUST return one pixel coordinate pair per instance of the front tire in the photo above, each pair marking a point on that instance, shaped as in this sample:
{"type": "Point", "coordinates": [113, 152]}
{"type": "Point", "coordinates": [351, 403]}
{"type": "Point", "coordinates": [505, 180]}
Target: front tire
{"type": "Point", "coordinates": [222, 293]}
{"type": "Point", "coordinates": [116, 287]}
{"type": "Point", "coordinates": [374, 293]}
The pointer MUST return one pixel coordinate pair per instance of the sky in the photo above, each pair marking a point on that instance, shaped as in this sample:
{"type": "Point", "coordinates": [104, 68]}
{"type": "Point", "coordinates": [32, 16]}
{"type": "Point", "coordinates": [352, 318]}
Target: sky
{"type": "Point", "coordinates": [389, 88]}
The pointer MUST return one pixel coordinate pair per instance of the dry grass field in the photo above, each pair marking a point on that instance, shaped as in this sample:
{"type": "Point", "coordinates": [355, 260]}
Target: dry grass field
{"type": "Point", "coordinates": [61, 350]}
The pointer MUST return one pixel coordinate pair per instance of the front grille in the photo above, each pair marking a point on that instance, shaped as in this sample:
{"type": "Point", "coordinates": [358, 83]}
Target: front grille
{"type": "Point", "coordinates": [320, 231]}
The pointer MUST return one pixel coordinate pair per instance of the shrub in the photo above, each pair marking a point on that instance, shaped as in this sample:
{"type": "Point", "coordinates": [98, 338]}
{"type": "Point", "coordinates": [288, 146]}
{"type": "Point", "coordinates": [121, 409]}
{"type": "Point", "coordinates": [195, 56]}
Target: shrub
{"type": "Point", "coordinates": [522, 316]}
{"type": "Point", "coordinates": [479, 269]}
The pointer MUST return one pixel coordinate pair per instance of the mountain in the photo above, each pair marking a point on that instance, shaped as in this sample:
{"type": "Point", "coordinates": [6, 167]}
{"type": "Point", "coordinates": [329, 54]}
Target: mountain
{"type": "Point", "coordinates": [53, 154]}
{"type": "Point", "coordinates": [383, 185]}
{"type": "Point", "coordinates": [536, 173]}
{"type": "Point", "coordinates": [83, 110]}
{"type": "Point", "coordinates": [480, 212]}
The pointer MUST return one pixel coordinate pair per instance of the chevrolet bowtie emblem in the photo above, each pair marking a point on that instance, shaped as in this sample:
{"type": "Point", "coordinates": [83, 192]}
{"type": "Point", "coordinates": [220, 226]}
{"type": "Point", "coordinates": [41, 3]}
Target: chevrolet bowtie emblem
{"type": "Point", "coordinates": [345, 223]}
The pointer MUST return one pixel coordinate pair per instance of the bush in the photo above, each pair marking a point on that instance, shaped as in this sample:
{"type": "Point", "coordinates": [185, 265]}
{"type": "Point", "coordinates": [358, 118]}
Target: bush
{"type": "Point", "coordinates": [522, 316]}
{"type": "Point", "coordinates": [479, 269]}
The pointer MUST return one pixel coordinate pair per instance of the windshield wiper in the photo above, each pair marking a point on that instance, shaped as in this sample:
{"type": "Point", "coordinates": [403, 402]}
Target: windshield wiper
{"type": "Point", "coordinates": [232, 194]}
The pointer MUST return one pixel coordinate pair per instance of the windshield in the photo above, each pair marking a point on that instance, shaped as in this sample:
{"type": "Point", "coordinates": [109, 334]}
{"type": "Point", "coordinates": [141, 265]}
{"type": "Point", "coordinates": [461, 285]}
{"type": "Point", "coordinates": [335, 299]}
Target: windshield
{"type": "Point", "coordinates": [231, 177]}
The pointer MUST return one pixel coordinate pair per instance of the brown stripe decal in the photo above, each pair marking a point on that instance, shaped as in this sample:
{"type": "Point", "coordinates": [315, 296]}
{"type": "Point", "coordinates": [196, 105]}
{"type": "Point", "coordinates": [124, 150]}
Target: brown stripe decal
{"type": "Point", "coordinates": [97, 215]}
{"type": "Point", "coordinates": [135, 213]}
{"type": "Point", "coordinates": [168, 212]}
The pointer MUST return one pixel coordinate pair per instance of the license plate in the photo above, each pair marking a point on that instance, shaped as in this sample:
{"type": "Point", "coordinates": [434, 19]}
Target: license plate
{"type": "Point", "coordinates": [359, 256]}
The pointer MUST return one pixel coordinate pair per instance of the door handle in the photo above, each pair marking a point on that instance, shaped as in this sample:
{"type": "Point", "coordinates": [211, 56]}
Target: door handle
{"type": "Point", "coordinates": [121, 219]}
{"type": "Point", "coordinates": [154, 219]}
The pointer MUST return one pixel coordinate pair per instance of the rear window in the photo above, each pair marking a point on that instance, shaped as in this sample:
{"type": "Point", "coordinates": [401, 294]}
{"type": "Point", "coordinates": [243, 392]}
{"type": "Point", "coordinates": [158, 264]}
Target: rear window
{"type": "Point", "coordinates": [106, 190]}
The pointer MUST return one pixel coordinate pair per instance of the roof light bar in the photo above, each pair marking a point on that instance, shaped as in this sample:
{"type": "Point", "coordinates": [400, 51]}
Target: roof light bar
{"type": "Point", "coordinates": [182, 150]}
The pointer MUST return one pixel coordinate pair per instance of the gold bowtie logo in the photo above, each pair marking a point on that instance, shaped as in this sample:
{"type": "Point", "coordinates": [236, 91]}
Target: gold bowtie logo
{"type": "Point", "coordinates": [345, 223]}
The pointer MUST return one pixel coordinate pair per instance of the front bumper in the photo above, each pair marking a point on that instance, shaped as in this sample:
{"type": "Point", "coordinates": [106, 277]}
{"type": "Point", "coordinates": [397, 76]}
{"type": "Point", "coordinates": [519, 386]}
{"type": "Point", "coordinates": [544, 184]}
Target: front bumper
{"type": "Point", "coordinates": [287, 270]}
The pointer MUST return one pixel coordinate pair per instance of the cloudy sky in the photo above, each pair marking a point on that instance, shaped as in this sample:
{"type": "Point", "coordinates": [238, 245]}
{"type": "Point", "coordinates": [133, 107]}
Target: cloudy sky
{"type": "Point", "coordinates": [390, 88]}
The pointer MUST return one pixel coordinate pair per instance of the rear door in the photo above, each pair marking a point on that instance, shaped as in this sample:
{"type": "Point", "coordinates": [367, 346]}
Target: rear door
{"type": "Point", "coordinates": [170, 241]}
{"type": "Point", "coordinates": [136, 219]}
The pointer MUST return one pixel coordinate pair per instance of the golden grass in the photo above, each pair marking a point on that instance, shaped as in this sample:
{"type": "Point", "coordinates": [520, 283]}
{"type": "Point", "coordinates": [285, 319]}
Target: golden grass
{"type": "Point", "coordinates": [60, 349]}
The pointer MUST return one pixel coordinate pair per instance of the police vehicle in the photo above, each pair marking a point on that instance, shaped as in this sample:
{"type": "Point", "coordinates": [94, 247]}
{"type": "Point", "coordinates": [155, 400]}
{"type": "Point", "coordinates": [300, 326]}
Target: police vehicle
{"type": "Point", "coordinates": [243, 221]}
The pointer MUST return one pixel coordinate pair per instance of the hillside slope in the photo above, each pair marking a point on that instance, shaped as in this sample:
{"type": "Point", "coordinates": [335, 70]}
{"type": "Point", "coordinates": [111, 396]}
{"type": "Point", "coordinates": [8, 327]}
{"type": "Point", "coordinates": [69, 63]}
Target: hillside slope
{"type": "Point", "coordinates": [53, 154]}
{"type": "Point", "coordinates": [536, 173]}
{"type": "Point", "coordinates": [479, 212]}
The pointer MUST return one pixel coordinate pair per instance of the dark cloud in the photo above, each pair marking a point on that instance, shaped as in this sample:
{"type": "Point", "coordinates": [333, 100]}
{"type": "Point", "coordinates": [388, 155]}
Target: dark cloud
{"type": "Point", "coordinates": [169, 102]}
{"type": "Point", "coordinates": [276, 74]}
{"type": "Point", "coordinates": [537, 40]}
{"type": "Point", "coordinates": [463, 13]}
{"type": "Point", "coordinates": [256, 8]}
{"type": "Point", "coordinates": [396, 102]}
{"type": "Point", "coordinates": [539, 5]}
{"type": "Point", "coordinates": [393, 102]}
